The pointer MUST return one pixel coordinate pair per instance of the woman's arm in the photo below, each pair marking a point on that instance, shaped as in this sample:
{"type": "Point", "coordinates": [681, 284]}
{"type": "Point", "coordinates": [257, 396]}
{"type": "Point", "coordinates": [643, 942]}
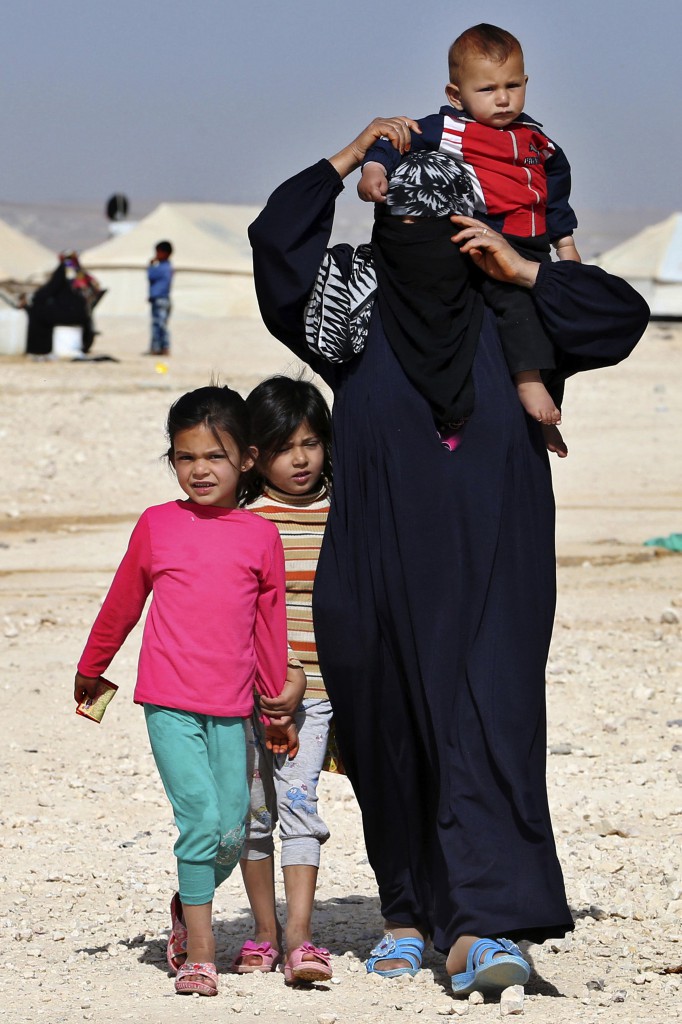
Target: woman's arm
{"type": "Point", "coordinates": [290, 237]}
{"type": "Point", "coordinates": [593, 318]}
{"type": "Point", "coordinates": [395, 129]}
{"type": "Point", "coordinates": [493, 254]}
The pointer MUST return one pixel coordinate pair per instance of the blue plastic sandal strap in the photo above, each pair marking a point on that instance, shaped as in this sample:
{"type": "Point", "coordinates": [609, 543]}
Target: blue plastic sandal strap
{"type": "Point", "coordinates": [482, 951]}
{"type": "Point", "coordinates": [492, 965]}
{"type": "Point", "coordinates": [409, 947]}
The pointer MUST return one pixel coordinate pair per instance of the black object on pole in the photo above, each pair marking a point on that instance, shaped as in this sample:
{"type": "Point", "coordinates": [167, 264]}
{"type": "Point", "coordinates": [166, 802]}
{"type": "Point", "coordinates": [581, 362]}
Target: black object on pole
{"type": "Point", "coordinates": [117, 207]}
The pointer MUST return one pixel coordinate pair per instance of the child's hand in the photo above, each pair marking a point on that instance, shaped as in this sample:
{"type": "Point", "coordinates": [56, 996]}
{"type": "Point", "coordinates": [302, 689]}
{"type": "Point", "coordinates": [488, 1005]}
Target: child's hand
{"type": "Point", "coordinates": [86, 686]}
{"type": "Point", "coordinates": [373, 184]}
{"type": "Point", "coordinates": [566, 250]}
{"type": "Point", "coordinates": [281, 737]}
{"type": "Point", "coordinates": [291, 696]}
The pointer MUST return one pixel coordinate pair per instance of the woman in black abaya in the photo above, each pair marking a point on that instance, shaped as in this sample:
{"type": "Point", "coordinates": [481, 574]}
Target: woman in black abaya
{"type": "Point", "coordinates": [435, 590]}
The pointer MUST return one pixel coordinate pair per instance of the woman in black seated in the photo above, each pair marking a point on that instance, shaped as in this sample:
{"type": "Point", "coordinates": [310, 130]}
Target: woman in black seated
{"type": "Point", "coordinates": [67, 299]}
{"type": "Point", "coordinates": [435, 589]}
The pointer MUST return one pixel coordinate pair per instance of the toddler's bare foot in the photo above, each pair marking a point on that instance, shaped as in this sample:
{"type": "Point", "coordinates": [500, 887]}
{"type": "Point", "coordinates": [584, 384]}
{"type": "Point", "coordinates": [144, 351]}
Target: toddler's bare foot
{"type": "Point", "coordinates": [535, 398]}
{"type": "Point", "coordinates": [554, 440]}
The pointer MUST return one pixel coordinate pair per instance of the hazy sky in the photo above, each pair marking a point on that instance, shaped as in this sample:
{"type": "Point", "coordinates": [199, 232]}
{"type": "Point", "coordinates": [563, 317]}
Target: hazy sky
{"type": "Point", "coordinates": [222, 99]}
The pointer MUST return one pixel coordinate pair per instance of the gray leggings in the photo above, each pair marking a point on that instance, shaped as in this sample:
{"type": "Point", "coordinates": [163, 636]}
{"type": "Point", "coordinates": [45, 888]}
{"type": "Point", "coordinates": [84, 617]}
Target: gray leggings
{"type": "Point", "coordinates": [286, 791]}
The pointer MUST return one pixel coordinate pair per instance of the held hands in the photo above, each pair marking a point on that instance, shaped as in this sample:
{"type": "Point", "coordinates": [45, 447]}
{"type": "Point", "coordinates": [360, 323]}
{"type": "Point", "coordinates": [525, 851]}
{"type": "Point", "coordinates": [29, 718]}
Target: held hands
{"type": "Point", "coordinates": [493, 254]}
{"type": "Point", "coordinates": [281, 735]}
{"type": "Point", "coordinates": [291, 696]}
{"type": "Point", "coordinates": [395, 129]}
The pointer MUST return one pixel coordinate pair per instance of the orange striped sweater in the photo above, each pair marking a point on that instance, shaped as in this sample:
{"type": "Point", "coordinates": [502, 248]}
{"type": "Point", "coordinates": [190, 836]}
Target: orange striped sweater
{"type": "Point", "coordinates": [301, 522]}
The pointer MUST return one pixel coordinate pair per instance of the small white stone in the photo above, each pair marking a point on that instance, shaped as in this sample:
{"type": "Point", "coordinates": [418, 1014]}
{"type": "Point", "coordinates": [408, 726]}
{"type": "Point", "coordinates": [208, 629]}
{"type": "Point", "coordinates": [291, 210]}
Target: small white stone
{"type": "Point", "coordinates": [444, 1009]}
{"type": "Point", "coordinates": [476, 999]}
{"type": "Point", "coordinates": [670, 616]}
{"type": "Point", "coordinates": [327, 1018]}
{"type": "Point", "coordinates": [511, 1000]}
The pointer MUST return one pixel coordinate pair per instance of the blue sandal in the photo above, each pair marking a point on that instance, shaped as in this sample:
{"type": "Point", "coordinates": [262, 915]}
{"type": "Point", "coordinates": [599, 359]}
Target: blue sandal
{"type": "Point", "coordinates": [488, 973]}
{"type": "Point", "coordinates": [408, 948]}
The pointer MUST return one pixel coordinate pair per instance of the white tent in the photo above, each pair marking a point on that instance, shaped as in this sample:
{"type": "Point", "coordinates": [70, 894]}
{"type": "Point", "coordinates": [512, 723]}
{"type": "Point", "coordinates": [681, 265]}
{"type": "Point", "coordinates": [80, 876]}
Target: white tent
{"type": "Point", "coordinates": [211, 257]}
{"type": "Point", "coordinates": [22, 258]}
{"type": "Point", "coordinates": [651, 262]}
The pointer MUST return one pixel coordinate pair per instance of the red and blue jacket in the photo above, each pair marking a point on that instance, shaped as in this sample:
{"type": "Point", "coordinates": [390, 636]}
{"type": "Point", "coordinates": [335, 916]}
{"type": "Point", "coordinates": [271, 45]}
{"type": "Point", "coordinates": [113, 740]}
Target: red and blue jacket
{"type": "Point", "coordinates": [521, 179]}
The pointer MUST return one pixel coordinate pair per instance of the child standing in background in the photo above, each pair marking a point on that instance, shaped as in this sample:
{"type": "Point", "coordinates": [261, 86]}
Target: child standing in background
{"type": "Point", "coordinates": [290, 486]}
{"type": "Point", "coordinates": [160, 277]}
{"type": "Point", "coordinates": [216, 629]}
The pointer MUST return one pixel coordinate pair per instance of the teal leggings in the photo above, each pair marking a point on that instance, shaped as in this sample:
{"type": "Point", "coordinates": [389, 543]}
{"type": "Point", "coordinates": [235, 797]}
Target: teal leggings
{"type": "Point", "coordinates": [202, 764]}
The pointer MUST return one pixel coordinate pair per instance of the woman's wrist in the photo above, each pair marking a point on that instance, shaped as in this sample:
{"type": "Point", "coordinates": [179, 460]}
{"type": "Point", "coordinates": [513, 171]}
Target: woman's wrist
{"type": "Point", "coordinates": [345, 161]}
{"type": "Point", "coordinates": [527, 273]}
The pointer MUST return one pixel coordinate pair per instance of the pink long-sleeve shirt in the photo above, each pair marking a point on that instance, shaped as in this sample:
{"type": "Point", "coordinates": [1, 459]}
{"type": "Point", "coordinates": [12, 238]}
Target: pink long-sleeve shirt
{"type": "Point", "coordinates": [216, 626]}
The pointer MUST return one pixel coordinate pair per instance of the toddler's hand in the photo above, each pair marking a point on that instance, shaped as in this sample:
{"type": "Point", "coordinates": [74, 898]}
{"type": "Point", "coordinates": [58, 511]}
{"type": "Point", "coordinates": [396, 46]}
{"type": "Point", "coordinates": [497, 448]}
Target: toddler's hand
{"type": "Point", "coordinates": [566, 249]}
{"type": "Point", "coordinates": [281, 737]}
{"type": "Point", "coordinates": [373, 184]}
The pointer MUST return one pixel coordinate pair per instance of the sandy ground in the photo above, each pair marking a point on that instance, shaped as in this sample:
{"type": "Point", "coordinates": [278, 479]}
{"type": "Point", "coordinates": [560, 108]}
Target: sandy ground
{"type": "Point", "coordinates": [87, 870]}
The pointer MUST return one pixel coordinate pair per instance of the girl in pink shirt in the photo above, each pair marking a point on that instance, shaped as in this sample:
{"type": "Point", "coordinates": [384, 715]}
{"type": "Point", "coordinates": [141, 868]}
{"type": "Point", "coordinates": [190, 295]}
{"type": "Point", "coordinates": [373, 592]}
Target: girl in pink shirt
{"type": "Point", "coordinates": [216, 628]}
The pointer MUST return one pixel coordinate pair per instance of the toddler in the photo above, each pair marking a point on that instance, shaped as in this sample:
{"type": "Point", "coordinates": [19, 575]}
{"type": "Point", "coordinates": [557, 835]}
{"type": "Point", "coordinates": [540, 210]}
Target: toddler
{"type": "Point", "coordinates": [521, 185]}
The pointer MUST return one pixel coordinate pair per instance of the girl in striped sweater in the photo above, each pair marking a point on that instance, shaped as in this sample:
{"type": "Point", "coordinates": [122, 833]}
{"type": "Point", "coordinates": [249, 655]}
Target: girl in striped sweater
{"type": "Point", "coordinates": [290, 486]}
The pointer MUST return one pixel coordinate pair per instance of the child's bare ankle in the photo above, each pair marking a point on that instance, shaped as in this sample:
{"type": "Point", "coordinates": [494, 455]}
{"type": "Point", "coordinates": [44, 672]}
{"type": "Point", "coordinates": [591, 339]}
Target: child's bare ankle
{"type": "Point", "coordinates": [536, 399]}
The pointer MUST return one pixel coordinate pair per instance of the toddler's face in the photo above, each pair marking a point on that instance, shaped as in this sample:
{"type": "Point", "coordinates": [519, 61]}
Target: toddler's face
{"type": "Point", "coordinates": [492, 93]}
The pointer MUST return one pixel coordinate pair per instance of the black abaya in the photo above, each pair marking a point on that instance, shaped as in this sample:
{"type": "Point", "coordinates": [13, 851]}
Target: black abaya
{"type": "Point", "coordinates": [434, 597]}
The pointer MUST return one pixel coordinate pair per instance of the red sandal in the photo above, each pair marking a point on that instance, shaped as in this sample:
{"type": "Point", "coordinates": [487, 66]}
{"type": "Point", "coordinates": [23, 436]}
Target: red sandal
{"type": "Point", "coordinates": [177, 940]}
{"type": "Point", "coordinates": [189, 980]}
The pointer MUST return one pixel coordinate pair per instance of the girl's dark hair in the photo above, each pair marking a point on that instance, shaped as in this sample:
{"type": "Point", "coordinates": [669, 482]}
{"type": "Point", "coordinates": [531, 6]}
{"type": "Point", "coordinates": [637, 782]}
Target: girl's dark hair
{"type": "Point", "coordinates": [278, 406]}
{"type": "Point", "coordinates": [221, 409]}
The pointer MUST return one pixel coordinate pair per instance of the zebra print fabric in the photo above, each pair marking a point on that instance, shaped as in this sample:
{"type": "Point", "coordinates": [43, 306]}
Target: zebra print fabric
{"type": "Point", "coordinates": [425, 184]}
{"type": "Point", "coordinates": [430, 184]}
{"type": "Point", "coordinates": [338, 312]}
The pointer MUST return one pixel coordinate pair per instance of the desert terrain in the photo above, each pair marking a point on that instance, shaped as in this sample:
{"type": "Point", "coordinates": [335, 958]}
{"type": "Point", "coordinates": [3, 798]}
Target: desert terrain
{"type": "Point", "coordinates": [86, 835]}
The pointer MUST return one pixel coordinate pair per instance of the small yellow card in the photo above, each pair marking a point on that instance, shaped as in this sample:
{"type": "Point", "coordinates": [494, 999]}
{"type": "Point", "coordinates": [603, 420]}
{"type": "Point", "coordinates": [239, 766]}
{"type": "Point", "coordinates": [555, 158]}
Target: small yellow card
{"type": "Point", "coordinates": [94, 707]}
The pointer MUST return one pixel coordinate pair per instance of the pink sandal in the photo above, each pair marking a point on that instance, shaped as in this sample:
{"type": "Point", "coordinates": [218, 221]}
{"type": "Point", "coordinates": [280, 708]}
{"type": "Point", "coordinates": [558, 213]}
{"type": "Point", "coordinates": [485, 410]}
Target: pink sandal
{"type": "Point", "coordinates": [189, 980]}
{"type": "Point", "coordinates": [268, 955]}
{"type": "Point", "coordinates": [298, 969]}
{"type": "Point", "coordinates": [177, 940]}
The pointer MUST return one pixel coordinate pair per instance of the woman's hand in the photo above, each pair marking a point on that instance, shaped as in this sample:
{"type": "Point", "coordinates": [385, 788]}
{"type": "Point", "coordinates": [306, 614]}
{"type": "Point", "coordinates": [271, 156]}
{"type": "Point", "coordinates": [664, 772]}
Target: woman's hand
{"type": "Point", "coordinates": [395, 129]}
{"type": "Point", "coordinates": [493, 254]}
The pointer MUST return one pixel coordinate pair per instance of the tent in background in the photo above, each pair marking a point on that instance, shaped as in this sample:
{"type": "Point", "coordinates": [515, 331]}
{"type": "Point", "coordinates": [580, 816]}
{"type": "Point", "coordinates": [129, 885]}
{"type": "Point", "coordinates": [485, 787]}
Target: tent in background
{"type": "Point", "coordinates": [651, 261]}
{"type": "Point", "coordinates": [211, 258]}
{"type": "Point", "coordinates": [24, 264]}
{"type": "Point", "coordinates": [21, 257]}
